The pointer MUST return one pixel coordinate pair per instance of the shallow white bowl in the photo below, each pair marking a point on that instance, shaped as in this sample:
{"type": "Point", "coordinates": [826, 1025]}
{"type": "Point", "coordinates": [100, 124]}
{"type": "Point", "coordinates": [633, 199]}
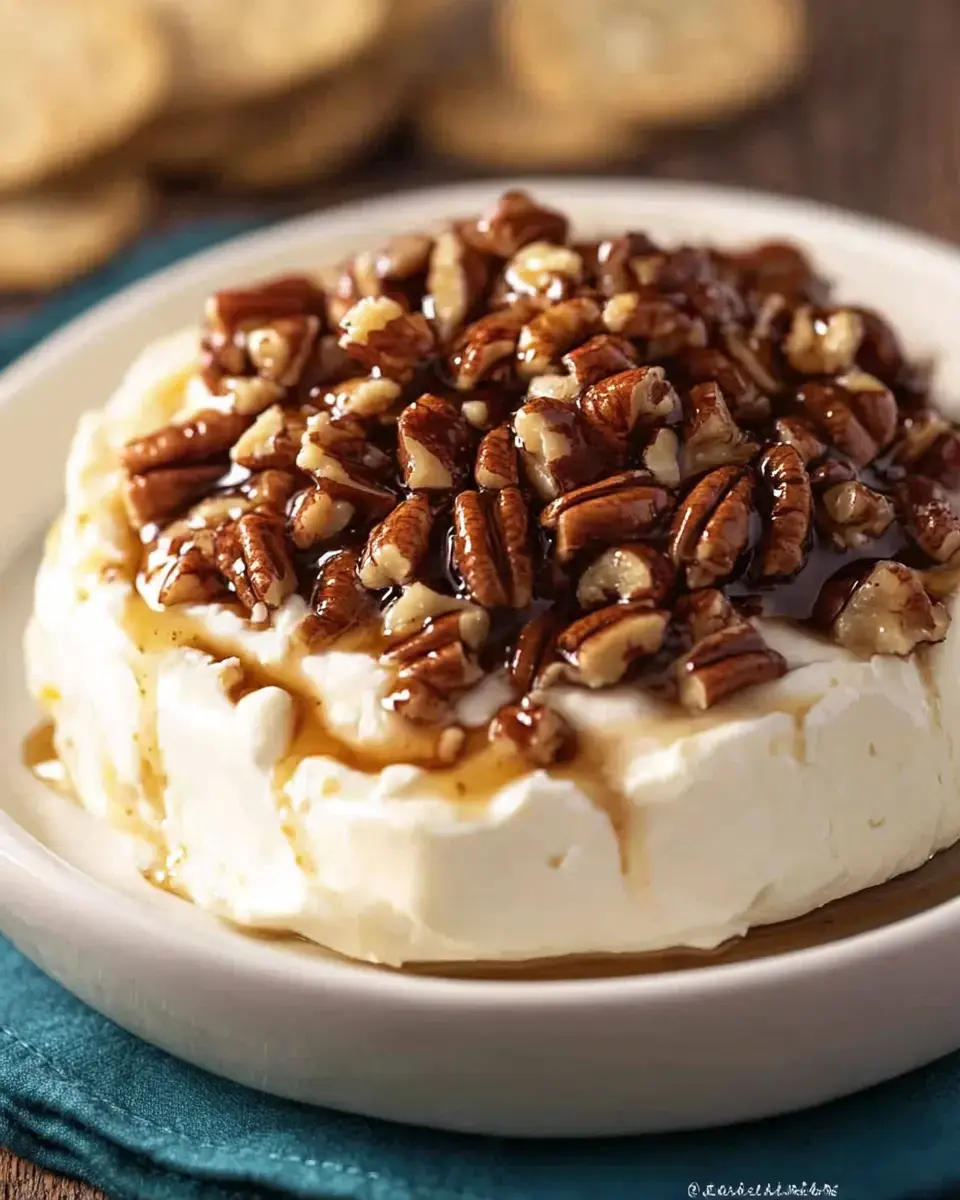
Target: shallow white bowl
{"type": "Point", "coordinates": [596, 1056]}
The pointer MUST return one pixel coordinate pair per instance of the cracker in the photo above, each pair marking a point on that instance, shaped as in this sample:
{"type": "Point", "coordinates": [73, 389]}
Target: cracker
{"type": "Point", "coordinates": [76, 76]}
{"type": "Point", "coordinates": [49, 237]}
{"type": "Point", "coordinates": [658, 62]}
{"type": "Point", "coordinates": [186, 144]}
{"type": "Point", "coordinates": [229, 50]}
{"type": "Point", "coordinates": [478, 117]}
{"type": "Point", "coordinates": [317, 130]}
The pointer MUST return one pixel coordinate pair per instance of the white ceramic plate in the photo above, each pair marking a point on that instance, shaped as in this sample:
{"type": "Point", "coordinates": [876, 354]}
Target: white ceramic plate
{"type": "Point", "coordinates": [582, 1057]}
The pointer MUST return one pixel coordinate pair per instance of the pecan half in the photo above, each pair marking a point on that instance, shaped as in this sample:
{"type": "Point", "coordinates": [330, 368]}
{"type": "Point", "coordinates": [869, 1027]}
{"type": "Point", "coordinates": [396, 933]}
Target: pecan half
{"type": "Point", "coordinates": [625, 261]}
{"type": "Point", "coordinates": [270, 489]}
{"type": "Point", "coordinates": [316, 516]}
{"type": "Point", "coordinates": [711, 437]}
{"type": "Point", "coordinates": [491, 547]}
{"type": "Point", "coordinates": [929, 518]}
{"type": "Point", "coordinates": [602, 646]}
{"type": "Point", "coordinates": [163, 493]}
{"type": "Point", "coordinates": [345, 465]}
{"type": "Point", "coordinates": [496, 463]}
{"type": "Point", "coordinates": [435, 663]}
{"type": "Point", "coordinates": [485, 344]}
{"type": "Point", "coordinates": [800, 435]}
{"type": "Point", "coordinates": [252, 555]}
{"type": "Point", "coordinates": [545, 338]}
{"type": "Point", "coordinates": [534, 653]}
{"type": "Point", "coordinates": [208, 434]}
{"type": "Point", "coordinates": [873, 403]}
{"type": "Point", "coordinates": [617, 509]}
{"type": "Point", "coordinates": [619, 404]}
{"type": "Point", "coordinates": [456, 278]}
{"type": "Point", "coordinates": [397, 546]}
{"type": "Point", "coordinates": [597, 358]}
{"type": "Point", "coordinates": [535, 732]}
{"type": "Point", "coordinates": [931, 447]}
{"type": "Point", "coordinates": [362, 396]}
{"type": "Point", "coordinates": [381, 334]}
{"type": "Point", "coordinates": [823, 343]}
{"type": "Point", "coordinates": [786, 534]}
{"type": "Point", "coordinates": [432, 444]}
{"type": "Point", "coordinates": [288, 296]}
{"type": "Point", "coordinates": [419, 605]}
{"type": "Point", "coordinates": [543, 272]}
{"type": "Point", "coordinates": [554, 449]}
{"type": "Point", "coordinates": [273, 440]}
{"type": "Point", "coordinates": [250, 394]}
{"type": "Point", "coordinates": [513, 221]}
{"type": "Point", "coordinates": [830, 407]}
{"type": "Point", "coordinates": [630, 572]}
{"type": "Point", "coordinates": [339, 601]}
{"type": "Point", "coordinates": [652, 318]}
{"type": "Point", "coordinates": [706, 364]}
{"type": "Point", "coordinates": [188, 577]}
{"type": "Point", "coordinates": [852, 514]}
{"type": "Point", "coordinates": [280, 351]}
{"type": "Point", "coordinates": [711, 527]}
{"type": "Point", "coordinates": [725, 662]}
{"type": "Point", "coordinates": [704, 612]}
{"type": "Point", "coordinates": [889, 612]}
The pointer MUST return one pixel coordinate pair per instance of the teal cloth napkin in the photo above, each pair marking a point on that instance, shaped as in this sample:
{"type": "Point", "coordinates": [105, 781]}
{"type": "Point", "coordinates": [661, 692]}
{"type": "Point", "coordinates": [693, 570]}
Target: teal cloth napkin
{"type": "Point", "coordinates": [81, 1096]}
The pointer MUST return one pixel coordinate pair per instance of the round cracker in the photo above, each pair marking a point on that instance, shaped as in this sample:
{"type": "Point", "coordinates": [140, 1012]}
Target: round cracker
{"type": "Point", "coordinates": [658, 62]}
{"type": "Point", "coordinates": [477, 117]}
{"type": "Point", "coordinates": [75, 78]}
{"type": "Point", "coordinates": [50, 237]}
{"type": "Point", "coordinates": [184, 144]}
{"type": "Point", "coordinates": [229, 50]}
{"type": "Point", "coordinates": [317, 130]}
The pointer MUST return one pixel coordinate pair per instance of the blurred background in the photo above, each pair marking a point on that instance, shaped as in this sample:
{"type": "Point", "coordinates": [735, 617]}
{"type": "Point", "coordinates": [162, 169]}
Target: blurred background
{"type": "Point", "coordinates": [140, 117]}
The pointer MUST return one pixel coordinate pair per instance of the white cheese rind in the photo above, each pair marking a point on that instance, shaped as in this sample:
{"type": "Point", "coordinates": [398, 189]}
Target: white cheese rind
{"type": "Point", "coordinates": [837, 777]}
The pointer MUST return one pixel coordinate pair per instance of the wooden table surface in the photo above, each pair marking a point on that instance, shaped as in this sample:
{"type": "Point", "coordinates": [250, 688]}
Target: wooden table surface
{"type": "Point", "coordinates": [874, 126]}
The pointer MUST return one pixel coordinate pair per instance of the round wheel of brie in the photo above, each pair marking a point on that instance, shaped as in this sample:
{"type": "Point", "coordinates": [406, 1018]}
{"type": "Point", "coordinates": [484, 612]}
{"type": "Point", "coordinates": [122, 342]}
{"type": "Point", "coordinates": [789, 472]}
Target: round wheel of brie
{"type": "Point", "coordinates": [499, 596]}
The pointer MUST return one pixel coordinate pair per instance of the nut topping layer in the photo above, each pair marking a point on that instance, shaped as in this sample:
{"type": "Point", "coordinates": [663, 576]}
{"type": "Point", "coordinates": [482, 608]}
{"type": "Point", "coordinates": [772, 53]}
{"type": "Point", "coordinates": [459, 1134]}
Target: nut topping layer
{"type": "Point", "coordinates": [590, 463]}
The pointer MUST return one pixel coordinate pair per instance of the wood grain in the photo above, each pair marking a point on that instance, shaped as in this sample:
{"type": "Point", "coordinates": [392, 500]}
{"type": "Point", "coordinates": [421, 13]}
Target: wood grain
{"type": "Point", "coordinates": [874, 126]}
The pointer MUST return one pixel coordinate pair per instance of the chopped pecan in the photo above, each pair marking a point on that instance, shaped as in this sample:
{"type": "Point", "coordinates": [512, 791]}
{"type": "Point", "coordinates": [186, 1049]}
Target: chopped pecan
{"type": "Point", "coordinates": [252, 555]}
{"type": "Point", "coordinates": [344, 464]}
{"type": "Point", "coordinates": [711, 437]}
{"type": "Point", "coordinates": [597, 358]}
{"type": "Point", "coordinates": [705, 364]}
{"type": "Point", "coordinates": [381, 334]}
{"type": "Point", "coordinates": [279, 351]}
{"type": "Point", "coordinates": [725, 662]}
{"type": "Point", "coordinates": [564, 389]}
{"type": "Point", "coordinates": [614, 510]}
{"type": "Point", "coordinates": [397, 546]}
{"type": "Point", "coordinates": [830, 408]}
{"type": "Point", "coordinates": [163, 493]}
{"type": "Point", "coordinates": [889, 612]}
{"type": "Point", "coordinates": [661, 457]}
{"type": "Point", "coordinates": [339, 601]}
{"type": "Point", "coordinates": [543, 271]}
{"type": "Point", "coordinates": [929, 518]}
{"type": "Point", "coordinates": [514, 221]}
{"type": "Point", "coordinates": [207, 435]}
{"type": "Point", "coordinates": [619, 404]}
{"type": "Point", "coordinates": [537, 733]}
{"type": "Point", "coordinates": [432, 444]}
{"type": "Point", "coordinates": [554, 449]}
{"type": "Point", "coordinates": [362, 396]}
{"type": "Point", "coordinates": [711, 527]}
{"type": "Point", "coordinates": [799, 434]}
{"type": "Point", "coordinates": [485, 344]}
{"type": "Point", "coordinates": [602, 646]}
{"type": "Point", "coordinates": [549, 334]}
{"type": "Point", "coordinates": [491, 547]}
{"type": "Point", "coordinates": [633, 571]}
{"type": "Point", "coordinates": [652, 318]}
{"type": "Point", "coordinates": [418, 605]}
{"type": "Point", "coordinates": [393, 271]}
{"type": "Point", "coordinates": [316, 516]}
{"type": "Point", "coordinates": [496, 463]}
{"type": "Point", "coordinates": [852, 514]}
{"type": "Point", "coordinates": [273, 440]}
{"type": "Point", "coordinates": [786, 534]}
{"type": "Point", "coordinates": [823, 342]}
{"type": "Point", "coordinates": [250, 394]}
{"type": "Point", "coordinates": [704, 612]}
{"type": "Point", "coordinates": [456, 279]}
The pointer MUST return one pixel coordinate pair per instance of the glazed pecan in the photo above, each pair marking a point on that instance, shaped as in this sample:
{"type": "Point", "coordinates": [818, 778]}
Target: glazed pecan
{"type": "Point", "coordinates": [549, 334]}
{"type": "Point", "coordinates": [633, 571]}
{"type": "Point", "coordinates": [542, 272]}
{"type": "Point", "coordinates": [362, 396]}
{"type": "Point", "coordinates": [597, 358]}
{"type": "Point", "coordinates": [419, 605]}
{"type": "Point", "coordinates": [711, 437]}
{"type": "Point", "coordinates": [623, 507]}
{"type": "Point", "coordinates": [393, 271]}
{"type": "Point", "coordinates": [619, 404]}
{"type": "Point", "coordinates": [930, 445]}
{"type": "Point", "coordinates": [664, 328]}
{"type": "Point", "coordinates": [535, 732]}
{"type": "Point", "coordinates": [851, 514]}
{"type": "Point", "coordinates": [786, 533]}
{"type": "Point", "coordinates": [801, 436]}
{"type": "Point", "coordinates": [456, 279]}
{"type": "Point", "coordinates": [873, 404]}
{"type": "Point", "coordinates": [602, 646]}
{"type": "Point", "coordinates": [831, 409]}
{"type": "Point", "coordinates": [316, 516]}
{"type": "Point", "coordinates": [514, 221]}
{"type": "Point", "coordinates": [823, 342]}
{"type": "Point", "coordinates": [486, 344]}
{"type": "Point", "coordinates": [432, 444]}
{"type": "Point", "coordinates": [491, 547]}
{"type": "Point", "coordinates": [887, 611]}
{"type": "Point", "coordinates": [232, 309]}
{"type": "Point", "coordinates": [270, 489]}
{"type": "Point", "coordinates": [496, 462]}
{"type": "Point", "coordinates": [705, 364]}
{"type": "Point", "coordinates": [339, 602]}
{"type": "Point", "coordinates": [279, 351]}
{"type": "Point", "coordinates": [725, 662]}
{"type": "Point", "coordinates": [345, 465]}
{"type": "Point", "coordinates": [711, 526]}
{"type": "Point", "coordinates": [250, 394]}
{"type": "Point", "coordinates": [929, 518]}
{"type": "Point", "coordinates": [189, 578]}
{"type": "Point", "coordinates": [704, 612]}
{"type": "Point", "coordinates": [252, 555]}
{"type": "Point", "coordinates": [661, 457]}
{"type": "Point", "coordinates": [381, 334]}
{"type": "Point", "coordinates": [206, 435]}
{"type": "Point", "coordinates": [397, 546]}
{"type": "Point", "coordinates": [757, 350]}
{"type": "Point", "coordinates": [162, 493]}
{"type": "Point", "coordinates": [626, 261]}
{"type": "Point", "coordinates": [273, 440]}
{"type": "Point", "coordinates": [554, 448]}
{"type": "Point", "coordinates": [435, 663]}
{"type": "Point", "coordinates": [534, 653]}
